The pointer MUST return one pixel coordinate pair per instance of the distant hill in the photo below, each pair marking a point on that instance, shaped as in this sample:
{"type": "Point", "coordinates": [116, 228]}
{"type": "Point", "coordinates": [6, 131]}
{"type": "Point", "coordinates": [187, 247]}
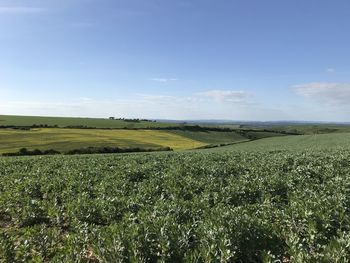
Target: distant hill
{"type": "Point", "coordinates": [12, 120]}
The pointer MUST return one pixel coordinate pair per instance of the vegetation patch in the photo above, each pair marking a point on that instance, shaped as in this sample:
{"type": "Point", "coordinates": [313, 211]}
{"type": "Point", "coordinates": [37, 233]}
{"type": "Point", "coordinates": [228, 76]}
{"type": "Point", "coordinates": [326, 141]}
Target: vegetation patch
{"type": "Point", "coordinates": [283, 206]}
{"type": "Point", "coordinates": [316, 142]}
{"type": "Point", "coordinates": [87, 150]}
{"type": "Point", "coordinates": [20, 121]}
{"type": "Point", "coordinates": [63, 140]}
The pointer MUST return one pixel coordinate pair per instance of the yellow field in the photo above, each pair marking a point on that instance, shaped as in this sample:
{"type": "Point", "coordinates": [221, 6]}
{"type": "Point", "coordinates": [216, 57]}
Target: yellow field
{"type": "Point", "coordinates": [67, 139]}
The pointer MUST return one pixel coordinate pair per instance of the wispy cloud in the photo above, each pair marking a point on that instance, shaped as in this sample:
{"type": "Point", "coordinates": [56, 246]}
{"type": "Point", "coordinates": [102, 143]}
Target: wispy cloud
{"type": "Point", "coordinates": [331, 70]}
{"type": "Point", "coordinates": [235, 96]}
{"type": "Point", "coordinates": [328, 93]}
{"type": "Point", "coordinates": [155, 97]}
{"type": "Point", "coordinates": [20, 10]}
{"type": "Point", "coordinates": [163, 79]}
{"type": "Point", "coordinates": [193, 106]}
{"type": "Point", "coordinates": [151, 106]}
{"type": "Point", "coordinates": [221, 96]}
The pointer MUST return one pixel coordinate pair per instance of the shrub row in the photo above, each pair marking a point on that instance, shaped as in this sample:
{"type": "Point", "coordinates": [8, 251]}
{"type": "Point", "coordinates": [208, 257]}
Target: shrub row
{"type": "Point", "coordinates": [87, 150]}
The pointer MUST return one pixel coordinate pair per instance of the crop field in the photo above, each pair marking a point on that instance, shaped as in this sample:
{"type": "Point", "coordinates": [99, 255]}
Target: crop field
{"type": "Point", "coordinates": [177, 207]}
{"type": "Point", "coordinates": [68, 139]}
{"type": "Point", "coordinates": [308, 128]}
{"type": "Point", "coordinates": [276, 199]}
{"type": "Point", "coordinates": [212, 137]}
{"type": "Point", "coordinates": [12, 120]}
{"type": "Point", "coordinates": [321, 142]}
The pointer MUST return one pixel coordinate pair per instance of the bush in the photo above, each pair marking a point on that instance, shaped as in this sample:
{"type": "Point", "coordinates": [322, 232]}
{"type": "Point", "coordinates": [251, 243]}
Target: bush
{"type": "Point", "coordinates": [26, 152]}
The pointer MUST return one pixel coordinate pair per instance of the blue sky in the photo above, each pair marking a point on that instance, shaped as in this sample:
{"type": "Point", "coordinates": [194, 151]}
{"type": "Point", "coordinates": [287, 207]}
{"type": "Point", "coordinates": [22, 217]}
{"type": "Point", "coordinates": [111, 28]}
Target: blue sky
{"type": "Point", "coordinates": [176, 59]}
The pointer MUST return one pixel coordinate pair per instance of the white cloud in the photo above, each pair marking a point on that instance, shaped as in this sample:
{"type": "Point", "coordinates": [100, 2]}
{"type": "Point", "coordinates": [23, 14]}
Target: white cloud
{"type": "Point", "coordinates": [20, 10]}
{"type": "Point", "coordinates": [212, 104]}
{"type": "Point", "coordinates": [328, 93]}
{"type": "Point", "coordinates": [226, 95]}
{"type": "Point", "coordinates": [163, 79]}
{"type": "Point", "coordinates": [331, 70]}
{"type": "Point", "coordinates": [138, 106]}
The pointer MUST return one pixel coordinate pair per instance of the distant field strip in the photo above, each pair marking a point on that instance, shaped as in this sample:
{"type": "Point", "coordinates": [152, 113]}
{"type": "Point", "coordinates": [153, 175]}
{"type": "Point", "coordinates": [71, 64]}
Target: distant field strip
{"type": "Point", "coordinates": [323, 142]}
{"type": "Point", "coordinates": [8, 120]}
{"type": "Point", "coordinates": [67, 139]}
{"type": "Point", "coordinates": [212, 137]}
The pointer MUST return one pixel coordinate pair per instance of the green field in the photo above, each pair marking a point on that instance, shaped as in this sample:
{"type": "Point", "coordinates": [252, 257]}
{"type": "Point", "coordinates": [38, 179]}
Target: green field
{"type": "Point", "coordinates": [307, 128]}
{"type": "Point", "coordinates": [233, 206]}
{"type": "Point", "coordinates": [321, 142]}
{"type": "Point", "coordinates": [212, 137]}
{"type": "Point", "coordinates": [271, 199]}
{"type": "Point", "coordinates": [68, 139]}
{"type": "Point", "coordinates": [12, 120]}
{"type": "Point", "coordinates": [65, 139]}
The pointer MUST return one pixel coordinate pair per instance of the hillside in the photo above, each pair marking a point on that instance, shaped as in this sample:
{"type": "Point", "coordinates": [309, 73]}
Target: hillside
{"type": "Point", "coordinates": [68, 139]}
{"type": "Point", "coordinates": [324, 142]}
{"type": "Point", "coordinates": [12, 120]}
{"type": "Point", "coordinates": [269, 199]}
{"type": "Point", "coordinates": [67, 134]}
{"type": "Point", "coordinates": [228, 206]}
{"type": "Point", "coordinates": [212, 137]}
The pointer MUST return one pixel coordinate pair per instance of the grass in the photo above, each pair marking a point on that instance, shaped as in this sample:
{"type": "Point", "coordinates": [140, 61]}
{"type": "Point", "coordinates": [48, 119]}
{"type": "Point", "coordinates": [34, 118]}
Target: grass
{"type": "Point", "coordinates": [68, 139]}
{"type": "Point", "coordinates": [308, 128]}
{"type": "Point", "coordinates": [322, 142]}
{"type": "Point", "coordinates": [11, 120]}
{"type": "Point", "coordinates": [318, 136]}
{"type": "Point", "coordinates": [212, 137]}
{"type": "Point", "coordinates": [64, 139]}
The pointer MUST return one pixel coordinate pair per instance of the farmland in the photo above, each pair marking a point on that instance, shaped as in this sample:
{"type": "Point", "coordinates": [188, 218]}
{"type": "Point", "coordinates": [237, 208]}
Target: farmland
{"type": "Point", "coordinates": [177, 207]}
{"type": "Point", "coordinates": [308, 128]}
{"type": "Point", "coordinates": [174, 131]}
{"type": "Point", "coordinates": [267, 197]}
{"type": "Point", "coordinates": [212, 137]}
{"type": "Point", "coordinates": [319, 142]}
{"type": "Point", "coordinates": [13, 120]}
{"type": "Point", "coordinates": [68, 139]}
{"type": "Point", "coordinates": [67, 134]}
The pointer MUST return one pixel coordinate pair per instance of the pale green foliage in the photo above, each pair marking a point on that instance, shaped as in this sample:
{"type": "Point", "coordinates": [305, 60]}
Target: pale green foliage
{"type": "Point", "coordinates": [191, 207]}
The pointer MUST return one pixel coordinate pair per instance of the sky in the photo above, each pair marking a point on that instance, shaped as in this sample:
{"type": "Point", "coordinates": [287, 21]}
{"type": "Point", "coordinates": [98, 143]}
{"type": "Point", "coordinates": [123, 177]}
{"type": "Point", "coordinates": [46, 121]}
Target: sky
{"type": "Point", "coordinates": [260, 60]}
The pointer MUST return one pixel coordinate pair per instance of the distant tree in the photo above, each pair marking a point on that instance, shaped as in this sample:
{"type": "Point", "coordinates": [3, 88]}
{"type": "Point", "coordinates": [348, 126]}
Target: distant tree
{"type": "Point", "coordinates": [130, 126]}
{"type": "Point", "coordinates": [23, 151]}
